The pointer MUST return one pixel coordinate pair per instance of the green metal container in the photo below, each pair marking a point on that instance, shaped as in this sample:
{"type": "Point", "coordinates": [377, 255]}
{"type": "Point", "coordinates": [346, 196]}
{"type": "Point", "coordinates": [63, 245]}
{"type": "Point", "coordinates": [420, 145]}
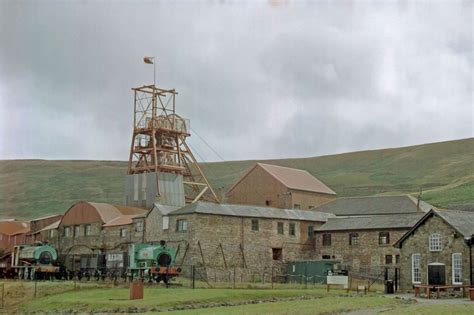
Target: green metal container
{"type": "Point", "coordinates": [310, 271]}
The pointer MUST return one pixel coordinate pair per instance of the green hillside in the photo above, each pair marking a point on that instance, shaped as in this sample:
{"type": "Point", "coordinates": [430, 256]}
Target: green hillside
{"type": "Point", "coordinates": [444, 171]}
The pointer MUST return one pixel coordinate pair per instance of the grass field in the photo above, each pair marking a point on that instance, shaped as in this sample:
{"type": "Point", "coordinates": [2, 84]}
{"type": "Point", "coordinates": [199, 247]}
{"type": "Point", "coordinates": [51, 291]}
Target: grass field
{"type": "Point", "coordinates": [55, 297]}
{"type": "Point", "coordinates": [444, 171]}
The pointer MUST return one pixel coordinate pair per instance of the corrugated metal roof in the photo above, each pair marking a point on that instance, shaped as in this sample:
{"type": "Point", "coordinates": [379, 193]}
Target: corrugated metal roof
{"type": "Point", "coordinates": [297, 179]}
{"type": "Point", "coordinates": [252, 211]}
{"type": "Point", "coordinates": [14, 227]}
{"type": "Point", "coordinates": [371, 222]}
{"type": "Point", "coordinates": [121, 220]}
{"type": "Point", "coordinates": [110, 212]}
{"type": "Point", "coordinates": [374, 205]}
{"type": "Point", "coordinates": [52, 226]}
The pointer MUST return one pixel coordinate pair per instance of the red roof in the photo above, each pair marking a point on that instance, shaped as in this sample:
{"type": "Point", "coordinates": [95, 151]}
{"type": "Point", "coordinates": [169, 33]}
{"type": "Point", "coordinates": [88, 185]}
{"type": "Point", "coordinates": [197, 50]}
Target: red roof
{"type": "Point", "coordinates": [11, 228]}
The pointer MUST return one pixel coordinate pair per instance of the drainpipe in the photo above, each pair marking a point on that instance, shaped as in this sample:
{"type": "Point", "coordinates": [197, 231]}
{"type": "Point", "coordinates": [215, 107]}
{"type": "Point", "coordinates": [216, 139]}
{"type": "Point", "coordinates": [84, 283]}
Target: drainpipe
{"type": "Point", "coordinates": [469, 240]}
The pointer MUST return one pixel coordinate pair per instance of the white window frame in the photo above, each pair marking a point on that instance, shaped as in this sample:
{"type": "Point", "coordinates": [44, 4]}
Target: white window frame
{"type": "Point", "coordinates": [139, 226]}
{"type": "Point", "coordinates": [181, 225]}
{"type": "Point", "coordinates": [67, 231]}
{"type": "Point", "coordinates": [51, 233]}
{"type": "Point", "coordinates": [418, 266]}
{"type": "Point", "coordinates": [435, 242]}
{"type": "Point", "coordinates": [123, 232]}
{"type": "Point", "coordinates": [88, 230]}
{"type": "Point", "coordinates": [166, 222]}
{"type": "Point", "coordinates": [77, 230]}
{"type": "Point", "coordinates": [457, 259]}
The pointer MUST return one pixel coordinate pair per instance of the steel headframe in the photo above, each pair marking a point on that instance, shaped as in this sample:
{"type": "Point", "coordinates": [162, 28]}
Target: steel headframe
{"type": "Point", "coordinates": [159, 142]}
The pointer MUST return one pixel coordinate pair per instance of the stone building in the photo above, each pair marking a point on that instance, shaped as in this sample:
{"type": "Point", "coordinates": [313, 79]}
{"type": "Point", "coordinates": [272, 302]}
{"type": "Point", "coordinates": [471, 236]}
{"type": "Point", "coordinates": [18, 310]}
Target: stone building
{"type": "Point", "coordinates": [90, 227]}
{"type": "Point", "coordinates": [12, 232]}
{"type": "Point", "coordinates": [225, 236]}
{"type": "Point", "coordinates": [364, 243]}
{"type": "Point", "coordinates": [438, 250]}
{"type": "Point", "coordinates": [279, 187]}
{"type": "Point", "coordinates": [37, 225]}
{"type": "Point", "coordinates": [364, 230]}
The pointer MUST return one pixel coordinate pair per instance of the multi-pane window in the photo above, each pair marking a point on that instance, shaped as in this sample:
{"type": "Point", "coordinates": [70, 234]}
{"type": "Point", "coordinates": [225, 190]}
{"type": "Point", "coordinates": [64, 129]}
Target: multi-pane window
{"type": "Point", "coordinates": [88, 229]}
{"type": "Point", "coordinates": [388, 259]}
{"type": "Point", "coordinates": [139, 226]}
{"type": "Point", "coordinates": [77, 230]}
{"type": "Point", "coordinates": [166, 222]}
{"type": "Point", "coordinates": [292, 229]}
{"type": "Point", "coordinates": [310, 232]}
{"type": "Point", "coordinates": [416, 268]}
{"type": "Point", "coordinates": [326, 239]}
{"type": "Point", "coordinates": [384, 238]}
{"type": "Point", "coordinates": [51, 233]}
{"type": "Point", "coordinates": [280, 227]}
{"type": "Point", "coordinates": [457, 268]}
{"type": "Point", "coordinates": [254, 225]}
{"type": "Point", "coordinates": [435, 242]}
{"type": "Point", "coordinates": [353, 239]}
{"type": "Point", "coordinates": [277, 253]}
{"type": "Point", "coordinates": [123, 232]}
{"type": "Point", "coordinates": [181, 225]}
{"type": "Point", "coordinates": [67, 231]}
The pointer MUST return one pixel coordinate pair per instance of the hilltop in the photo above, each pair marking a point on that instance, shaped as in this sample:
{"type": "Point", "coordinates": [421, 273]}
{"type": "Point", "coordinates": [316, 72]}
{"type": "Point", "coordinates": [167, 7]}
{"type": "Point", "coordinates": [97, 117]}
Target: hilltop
{"type": "Point", "coordinates": [444, 171]}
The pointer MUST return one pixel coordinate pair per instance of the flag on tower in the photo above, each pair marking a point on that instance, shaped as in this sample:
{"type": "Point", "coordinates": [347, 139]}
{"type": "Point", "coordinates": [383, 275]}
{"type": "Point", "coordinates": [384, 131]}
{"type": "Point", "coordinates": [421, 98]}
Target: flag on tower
{"type": "Point", "coordinates": [149, 60]}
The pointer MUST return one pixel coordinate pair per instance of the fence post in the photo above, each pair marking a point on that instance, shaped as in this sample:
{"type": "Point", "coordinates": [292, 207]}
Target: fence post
{"type": "Point", "coordinates": [3, 294]}
{"type": "Point", "coordinates": [263, 278]}
{"type": "Point", "coordinates": [305, 276]}
{"type": "Point", "coordinates": [36, 282]}
{"type": "Point", "coordinates": [193, 272]}
{"type": "Point", "coordinates": [233, 286]}
{"type": "Point", "coordinates": [273, 274]}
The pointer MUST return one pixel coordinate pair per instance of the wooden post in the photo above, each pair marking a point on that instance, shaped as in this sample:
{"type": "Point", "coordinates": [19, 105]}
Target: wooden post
{"type": "Point", "coordinates": [193, 271]}
{"type": "Point", "coordinates": [36, 282]}
{"type": "Point", "coordinates": [234, 279]}
{"type": "Point", "coordinates": [273, 274]}
{"type": "Point", "coordinates": [3, 295]}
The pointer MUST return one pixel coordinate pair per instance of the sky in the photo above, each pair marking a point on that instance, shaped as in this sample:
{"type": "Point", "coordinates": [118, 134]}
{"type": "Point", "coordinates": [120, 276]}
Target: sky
{"type": "Point", "coordinates": [258, 80]}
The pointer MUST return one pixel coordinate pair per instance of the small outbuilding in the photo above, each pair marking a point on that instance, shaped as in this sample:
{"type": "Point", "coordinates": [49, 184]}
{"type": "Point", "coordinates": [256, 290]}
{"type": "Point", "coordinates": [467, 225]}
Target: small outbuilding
{"type": "Point", "coordinates": [437, 250]}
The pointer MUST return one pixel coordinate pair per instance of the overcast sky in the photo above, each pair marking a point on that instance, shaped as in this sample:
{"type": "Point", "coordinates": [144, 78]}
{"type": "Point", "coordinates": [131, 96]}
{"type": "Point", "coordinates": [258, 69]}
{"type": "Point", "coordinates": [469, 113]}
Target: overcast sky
{"type": "Point", "coordinates": [256, 80]}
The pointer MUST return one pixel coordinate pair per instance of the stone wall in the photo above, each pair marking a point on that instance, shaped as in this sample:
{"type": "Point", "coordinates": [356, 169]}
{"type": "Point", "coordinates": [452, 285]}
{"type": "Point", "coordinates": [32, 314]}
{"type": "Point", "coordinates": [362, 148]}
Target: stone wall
{"type": "Point", "coordinates": [368, 258]}
{"type": "Point", "coordinates": [308, 200]}
{"type": "Point", "coordinates": [418, 242]}
{"type": "Point", "coordinates": [225, 242]}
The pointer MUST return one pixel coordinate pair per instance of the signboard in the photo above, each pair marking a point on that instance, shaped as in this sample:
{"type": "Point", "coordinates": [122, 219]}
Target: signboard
{"type": "Point", "coordinates": [339, 280]}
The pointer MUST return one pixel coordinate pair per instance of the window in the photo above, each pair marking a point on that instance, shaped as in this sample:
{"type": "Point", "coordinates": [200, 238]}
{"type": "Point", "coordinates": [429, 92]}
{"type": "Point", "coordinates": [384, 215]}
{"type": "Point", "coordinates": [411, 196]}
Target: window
{"type": "Point", "coordinates": [388, 259]}
{"type": "Point", "coordinates": [88, 229]}
{"type": "Point", "coordinates": [291, 229]}
{"type": "Point", "coordinates": [277, 253]}
{"type": "Point", "coordinates": [384, 238]}
{"type": "Point", "coordinates": [296, 206]}
{"type": "Point", "coordinates": [310, 207]}
{"type": "Point", "coordinates": [280, 227]}
{"type": "Point", "coordinates": [397, 259]}
{"type": "Point", "coordinates": [139, 226]}
{"type": "Point", "coordinates": [123, 232]}
{"type": "Point", "coordinates": [435, 242]}
{"type": "Point", "coordinates": [77, 230]}
{"type": "Point", "coordinates": [267, 202]}
{"type": "Point", "coordinates": [166, 222]}
{"type": "Point", "coordinates": [415, 268]}
{"type": "Point", "coordinates": [326, 256]}
{"type": "Point", "coordinates": [326, 239]}
{"type": "Point", "coordinates": [457, 268]}
{"type": "Point", "coordinates": [51, 233]}
{"type": "Point", "coordinates": [353, 239]}
{"type": "Point", "coordinates": [67, 231]}
{"type": "Point", "coordinates": [310, 232]}
{"type": "Point", "coordinates": [254, 225]}
{"type": "Point", "coordinates": [181, 225]}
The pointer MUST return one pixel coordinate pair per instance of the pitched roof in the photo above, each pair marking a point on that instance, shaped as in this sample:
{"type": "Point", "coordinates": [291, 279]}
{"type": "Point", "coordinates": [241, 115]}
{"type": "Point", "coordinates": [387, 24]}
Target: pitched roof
{"type": "Point", "coordinates": [461, 221]}
{"type": "Point", "coordinates": [163, 209]}
{"type": "Point", "coordinates": [52, 226]}
{"type": "Point", "coordinates": [385, 221]}
{"type": "Point", "coordinates": [292, 178]}
{"type": "Point", "coordinates": [122, 220]}
{"type": "Point", "coordinates": [11, 228]}
{"type": "Point", "coordinates": [374, 205]}
{"type": "Point", "coordinates": [251, 211]}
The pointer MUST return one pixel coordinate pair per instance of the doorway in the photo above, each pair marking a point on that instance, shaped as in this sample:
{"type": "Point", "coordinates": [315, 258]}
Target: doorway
{"type": "Point", "coordinates": [436, 274]}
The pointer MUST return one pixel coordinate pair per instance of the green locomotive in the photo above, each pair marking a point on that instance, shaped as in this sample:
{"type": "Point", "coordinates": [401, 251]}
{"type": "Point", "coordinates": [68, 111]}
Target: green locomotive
{"type": "Point", "coordinates": [38, 261]}
{"type": "Point", "coordinates": [152, 262]}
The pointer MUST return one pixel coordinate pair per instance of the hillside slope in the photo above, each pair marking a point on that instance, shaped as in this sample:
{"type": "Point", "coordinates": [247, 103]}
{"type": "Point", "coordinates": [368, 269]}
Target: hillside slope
{"type": "Point", "coordinates": [444, 171]}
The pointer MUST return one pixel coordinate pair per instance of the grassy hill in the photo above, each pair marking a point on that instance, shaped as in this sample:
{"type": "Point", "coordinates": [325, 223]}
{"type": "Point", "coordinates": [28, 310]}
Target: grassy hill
{"type": "Point", "coordinates": [444, 171]}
